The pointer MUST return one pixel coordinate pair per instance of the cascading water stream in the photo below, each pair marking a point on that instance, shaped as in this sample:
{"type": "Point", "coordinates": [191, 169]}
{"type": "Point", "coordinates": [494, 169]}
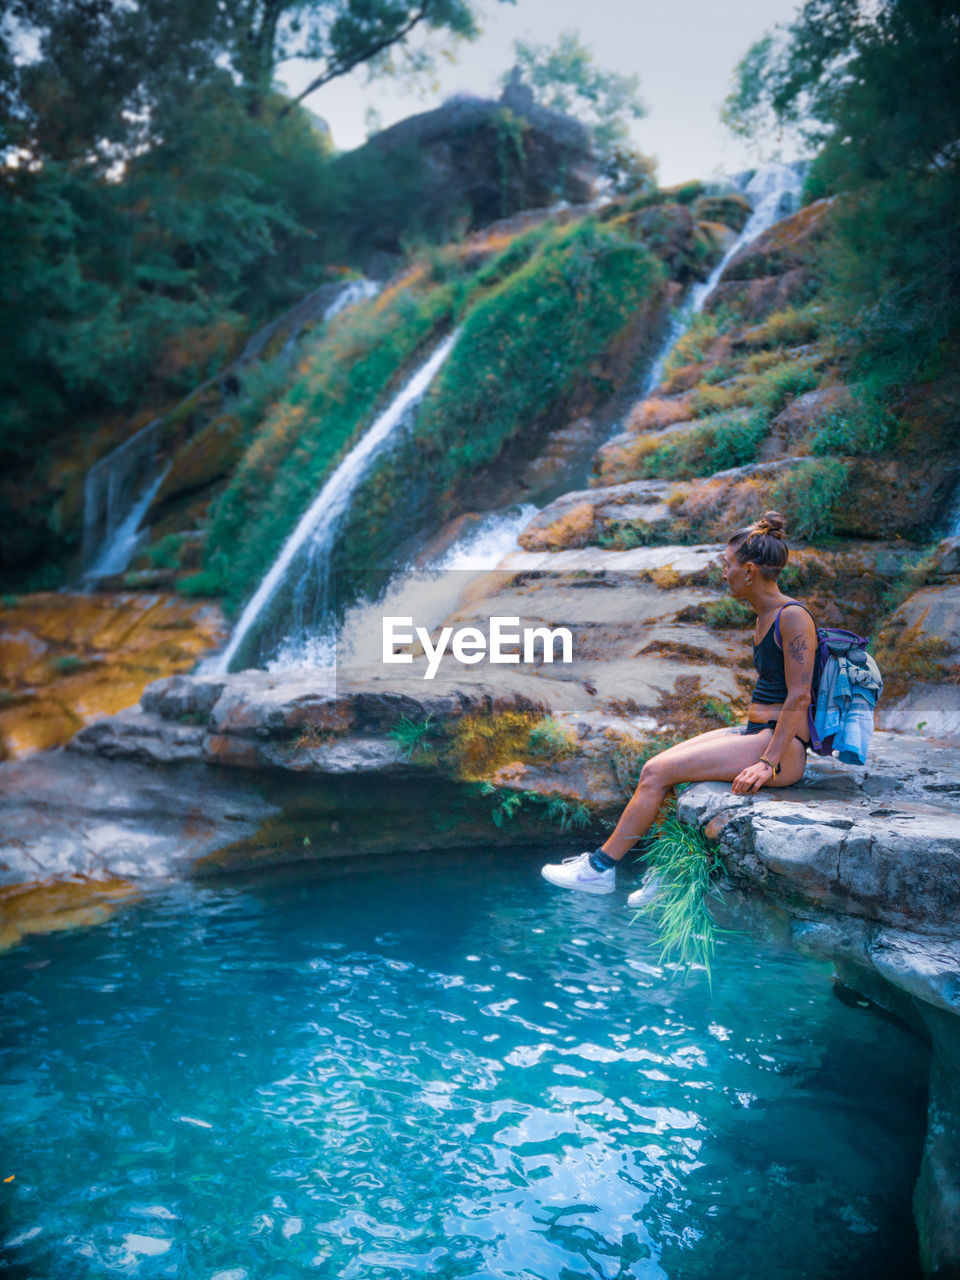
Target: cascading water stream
{"type": "Point", "coordinates": [120, 486]}
{"type": "Point", "coordinates": [430, 591]}
{"type": "Point", "coordinates": [773, 191]}
{"type": "Point", "coordinates": [312, 540]}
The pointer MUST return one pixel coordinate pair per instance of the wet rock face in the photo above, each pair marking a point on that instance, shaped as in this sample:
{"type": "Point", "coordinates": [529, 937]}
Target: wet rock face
{"type": "Point", "coordinates": [67, 659]}
{"type": "Point", "coordinates": [918, 650]}
{"type": "Point", "coordinates": [775, 270]}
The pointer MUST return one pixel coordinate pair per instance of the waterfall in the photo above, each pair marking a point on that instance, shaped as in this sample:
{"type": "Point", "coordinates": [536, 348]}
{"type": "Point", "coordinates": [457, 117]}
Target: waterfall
{"type": "Point", "coordinates": [315, 533]}
{"type": "Point", "coordinates": [115, 491]}
{"type": "Point", "coordinates": [120, 487]}
{"type": "Point", "coordinates": [773, 191]}
{"type": "Point", "coordinates": [427, 592]}
{"type": "Point", "coordinates": [118, 549]}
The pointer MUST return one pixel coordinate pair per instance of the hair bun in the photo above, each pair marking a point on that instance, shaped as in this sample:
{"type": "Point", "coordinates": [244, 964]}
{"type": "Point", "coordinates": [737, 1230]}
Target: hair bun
{"type": "Point", "coordinates": [771, 522]}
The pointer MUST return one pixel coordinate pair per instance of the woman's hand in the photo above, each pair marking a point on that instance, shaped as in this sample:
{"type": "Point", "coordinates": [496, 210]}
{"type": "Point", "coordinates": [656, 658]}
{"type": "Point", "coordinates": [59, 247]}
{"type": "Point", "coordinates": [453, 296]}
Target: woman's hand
{"type": "Point", "coordinates": [751, 779]}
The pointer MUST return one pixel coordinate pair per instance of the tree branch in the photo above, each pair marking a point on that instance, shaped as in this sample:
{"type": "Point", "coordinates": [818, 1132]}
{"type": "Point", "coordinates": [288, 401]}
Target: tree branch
{"type": "Point", "coordinates": [364, 56]}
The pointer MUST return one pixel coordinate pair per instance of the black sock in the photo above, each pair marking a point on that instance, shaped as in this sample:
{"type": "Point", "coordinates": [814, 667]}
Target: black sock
{"type": "Point", "coordinates": [601, 861]}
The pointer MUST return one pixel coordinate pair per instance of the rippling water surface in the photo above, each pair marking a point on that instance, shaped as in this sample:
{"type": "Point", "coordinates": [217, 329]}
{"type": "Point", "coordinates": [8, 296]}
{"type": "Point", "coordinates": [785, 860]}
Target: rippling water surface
{"type": "Point", "coordinates": [441, 1067]}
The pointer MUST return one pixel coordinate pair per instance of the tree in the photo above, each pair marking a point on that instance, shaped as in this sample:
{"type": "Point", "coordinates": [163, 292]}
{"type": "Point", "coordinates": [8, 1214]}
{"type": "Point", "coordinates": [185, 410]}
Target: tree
{"type": "Point", "coordinates": [567, 79]}
{"type": "Point", "coordinates": [872, 84]}
{"type": "Point", "coordinates": [87, 81]}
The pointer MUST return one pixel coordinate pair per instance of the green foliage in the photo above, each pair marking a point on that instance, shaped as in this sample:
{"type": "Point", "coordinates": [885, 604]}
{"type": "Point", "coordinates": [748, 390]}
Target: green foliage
{"type": "Point", "coordinates": [684, 862]}
{"type": "Point", "coordinates": [721, 372]}
{"type": "Point", "coordinates": [723, 441]}
{"type": "Point", "coordinates": [692, 345]}
{"type": "Point", "coordinates": [624, 535]}
{"type": "Point", "coordinates": [552, 739]}
{"type": "Point", "coordinates": [727, 612]}
{"type": "Point", "coordinates": [865, 427]}
{"type": "Point", "coordinates": [567, 79]}
{"type": "Point", "coordinates": [891, 268]}
{"type": "Point", "coordinates": [875, 87]}
{"type": "Point", "coordinates": [310, 429]}
{"type": "Point", "coordinates": [784, 382]}
{"type": "Point", "coordinates": [714, 709]}
{"type": "Point", "coordinates": [66, 663]}
{"type": "Point", "coordinates": [93, 83]}
{"type": "Point", "coordinates": [789, 327]}
{"type": "Point", "coordinates": [208, 582]}
{"type": "Point", "coordinates": [411, 735]}
{"type": "Point", "coordinates": [165, 554]}
{"type": "Point", "coordinates": [510, 151]}
{"type": "Point", "coordinates": [564, 813]}
{"type": "Point", "coordinates": [516, 255]}
{"type": "Point", "coordinates": [808, 494]}
{"type": "Point", "coordinates": [526, 343]}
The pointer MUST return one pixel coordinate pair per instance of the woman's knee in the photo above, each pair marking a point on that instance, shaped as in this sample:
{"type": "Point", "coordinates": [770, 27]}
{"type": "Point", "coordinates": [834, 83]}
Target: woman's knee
{"type": "Point", "coordinates": [655, 773]}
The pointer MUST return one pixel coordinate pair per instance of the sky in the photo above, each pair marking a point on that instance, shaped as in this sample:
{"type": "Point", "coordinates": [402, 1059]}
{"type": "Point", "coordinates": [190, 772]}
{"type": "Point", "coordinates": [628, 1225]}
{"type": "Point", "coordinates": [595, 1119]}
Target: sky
{"type": "Point", "coordinates": [684, 51]}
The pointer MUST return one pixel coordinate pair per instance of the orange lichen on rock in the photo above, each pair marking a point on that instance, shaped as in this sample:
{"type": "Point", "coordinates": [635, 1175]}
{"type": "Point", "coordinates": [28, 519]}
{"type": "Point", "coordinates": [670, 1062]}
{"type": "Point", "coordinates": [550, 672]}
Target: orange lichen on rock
{"type": "Point", "coordinates": [67, 659]}
{"type": "Point", "coordinates": [573, 529]}
{"type": "Point", "coordinates": [659, 411]}
{"type": "Point", "coordinates": [47, 907]}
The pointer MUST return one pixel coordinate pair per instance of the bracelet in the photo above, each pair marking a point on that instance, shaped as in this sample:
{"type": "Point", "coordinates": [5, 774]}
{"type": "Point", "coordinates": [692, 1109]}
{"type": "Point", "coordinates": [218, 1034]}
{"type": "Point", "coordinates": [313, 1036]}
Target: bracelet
{"type": "Point", "coordinates": [770, 764]}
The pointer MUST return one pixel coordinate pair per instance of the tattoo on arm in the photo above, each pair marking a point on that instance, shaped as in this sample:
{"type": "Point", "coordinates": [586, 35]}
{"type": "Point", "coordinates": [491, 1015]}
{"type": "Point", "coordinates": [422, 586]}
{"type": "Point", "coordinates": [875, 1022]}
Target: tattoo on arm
{"type": "Point", "coordinates": [797, 649]}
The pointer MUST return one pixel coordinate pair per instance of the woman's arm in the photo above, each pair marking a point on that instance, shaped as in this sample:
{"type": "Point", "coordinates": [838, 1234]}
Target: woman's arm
{"type": "Point", "coordinates": [798, 636]}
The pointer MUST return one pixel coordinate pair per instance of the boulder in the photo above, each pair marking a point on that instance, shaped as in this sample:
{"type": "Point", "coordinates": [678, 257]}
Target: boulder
{"type": "Point", "coordinates": [477, 158]}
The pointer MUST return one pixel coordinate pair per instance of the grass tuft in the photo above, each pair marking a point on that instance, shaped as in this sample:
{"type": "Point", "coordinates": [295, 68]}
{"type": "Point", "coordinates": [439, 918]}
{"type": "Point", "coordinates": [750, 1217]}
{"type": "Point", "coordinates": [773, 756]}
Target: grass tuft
{"type": "Point", "coordinates": [684, 862]}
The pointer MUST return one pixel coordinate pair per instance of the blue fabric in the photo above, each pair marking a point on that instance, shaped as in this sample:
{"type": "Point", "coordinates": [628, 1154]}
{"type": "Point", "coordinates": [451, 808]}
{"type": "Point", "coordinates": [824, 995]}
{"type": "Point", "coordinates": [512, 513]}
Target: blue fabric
{"type": "Point", "coordinates": [856, 729]}
{"type": "Point", "coordinates": [845, 704]}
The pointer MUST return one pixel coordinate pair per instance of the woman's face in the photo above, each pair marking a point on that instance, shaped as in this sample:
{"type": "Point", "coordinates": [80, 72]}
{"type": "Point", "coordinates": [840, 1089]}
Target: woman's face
{"type": "Point", "coordinates": [735, 574]}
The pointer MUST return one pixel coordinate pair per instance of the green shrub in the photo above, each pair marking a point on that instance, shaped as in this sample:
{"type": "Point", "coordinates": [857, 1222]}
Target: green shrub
{"type": "Point", "coordinates": [551, 738]}
{"type": "Point", "coordinates": [625, 535]}
{"type": "Point", "coordinates": [790, 327]}
{"type": "Point", "coordinates": [808, 494]}
{"type": "Point", "coordinates": [411, 735]}
{"type": "Point", "coordinates": [773, 389]}
{"type": "Point", "coordinates": [866, 427]}
{"type": "Point", "coordinates": [722, 371]}
{"type": "Point", "coordinates": [692, 345]}
{"type": "Point", "coordinates": [725, 441]}
{"type": "Point", "coordinates": [727, 612]}
{"type": "Point", "coordinates": [526, 343]}
{"type": "Point", "coordinates": [165, 554]}
{"type": "Point", "coordinates": [208, 582]}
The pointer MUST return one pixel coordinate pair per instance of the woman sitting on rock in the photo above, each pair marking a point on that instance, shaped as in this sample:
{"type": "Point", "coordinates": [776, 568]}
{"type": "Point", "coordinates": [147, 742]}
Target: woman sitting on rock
{"type": "Point", "coordinates": [768, 750]}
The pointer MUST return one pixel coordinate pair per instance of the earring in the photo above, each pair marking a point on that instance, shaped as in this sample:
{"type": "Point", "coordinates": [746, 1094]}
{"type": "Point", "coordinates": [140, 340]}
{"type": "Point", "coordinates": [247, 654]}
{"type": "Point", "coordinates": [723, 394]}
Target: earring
{"type": "Point", "coordinates": [749, 580]}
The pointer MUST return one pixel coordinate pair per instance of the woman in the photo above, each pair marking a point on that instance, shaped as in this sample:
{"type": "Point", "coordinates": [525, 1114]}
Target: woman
{"type": "Point", "coordinates": [768, 751]}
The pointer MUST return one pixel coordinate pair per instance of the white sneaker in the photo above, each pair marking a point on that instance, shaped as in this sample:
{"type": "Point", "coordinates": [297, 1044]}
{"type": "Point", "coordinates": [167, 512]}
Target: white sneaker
{"type": "Point", "coordinates": [650, 888]}
{"type": "Point", "coordinates": [577, 873]}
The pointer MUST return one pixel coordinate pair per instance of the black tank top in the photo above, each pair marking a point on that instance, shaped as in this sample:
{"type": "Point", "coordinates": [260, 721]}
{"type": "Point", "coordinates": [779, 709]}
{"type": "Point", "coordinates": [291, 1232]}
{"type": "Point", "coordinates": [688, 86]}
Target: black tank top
{"type": "Point", "coordinates": [771, 684]}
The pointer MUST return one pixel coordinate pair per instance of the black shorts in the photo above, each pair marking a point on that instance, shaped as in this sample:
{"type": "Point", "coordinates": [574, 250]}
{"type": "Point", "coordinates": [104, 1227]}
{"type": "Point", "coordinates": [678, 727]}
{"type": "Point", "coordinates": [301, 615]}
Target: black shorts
{"type": "Point", "coordinates": [756, 726]}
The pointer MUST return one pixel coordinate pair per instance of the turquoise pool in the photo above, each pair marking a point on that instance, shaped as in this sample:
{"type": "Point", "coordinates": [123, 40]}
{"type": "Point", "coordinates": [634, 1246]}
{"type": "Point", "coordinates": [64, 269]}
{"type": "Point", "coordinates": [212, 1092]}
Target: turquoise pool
{"type": "Point", "coordinates": [441, 1066]}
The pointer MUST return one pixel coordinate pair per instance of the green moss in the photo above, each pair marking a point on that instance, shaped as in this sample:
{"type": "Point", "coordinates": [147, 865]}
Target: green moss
{"type": "Point", "coordinates": [723, 442]}
{"type": "Point", "coordinates": [808, 495]}
{"type": "Point", "coordinates": [727, 612]}
{"type": "Point", "coordinates": [352, 371]}
{"type": "Point", "coordinates": [527, 343]}
{"type": "Point", "coordinates": [552, 739]}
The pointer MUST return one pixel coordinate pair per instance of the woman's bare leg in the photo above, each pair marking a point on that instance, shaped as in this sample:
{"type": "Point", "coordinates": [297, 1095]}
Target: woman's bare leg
{"type": "Point", "coordinates": [718, 756]}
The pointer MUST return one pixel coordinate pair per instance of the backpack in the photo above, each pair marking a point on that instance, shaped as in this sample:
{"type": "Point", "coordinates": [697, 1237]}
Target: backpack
{"type": "Point", "coordinates": [845, 686]}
